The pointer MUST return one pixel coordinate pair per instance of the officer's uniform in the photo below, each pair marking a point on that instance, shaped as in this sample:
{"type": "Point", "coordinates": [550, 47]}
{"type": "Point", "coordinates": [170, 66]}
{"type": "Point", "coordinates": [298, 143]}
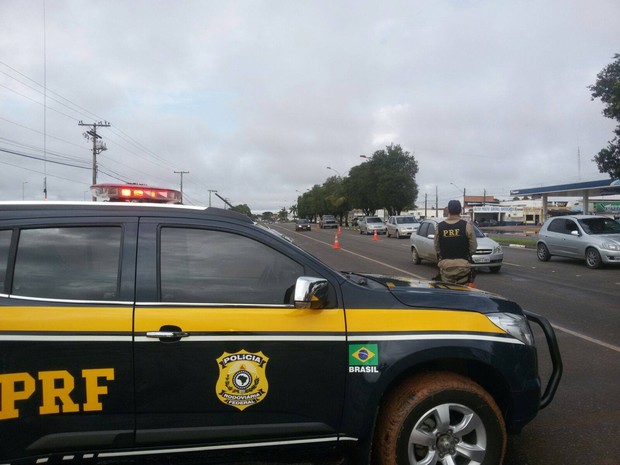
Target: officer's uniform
{"type": "Point", "coordinates": [455, 242]}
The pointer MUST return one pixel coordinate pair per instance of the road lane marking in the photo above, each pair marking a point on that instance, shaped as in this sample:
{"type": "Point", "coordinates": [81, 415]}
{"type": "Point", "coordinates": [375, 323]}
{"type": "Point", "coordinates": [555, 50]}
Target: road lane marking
{"type": "Point", "coordinates": [587, 338]}
{"type": "Point", "coordinates": [370, 259]}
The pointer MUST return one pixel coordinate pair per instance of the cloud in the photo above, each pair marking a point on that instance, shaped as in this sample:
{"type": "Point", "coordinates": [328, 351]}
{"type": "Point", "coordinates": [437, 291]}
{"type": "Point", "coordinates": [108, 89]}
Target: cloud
{"type": "Point", "coordinates": [256, 99]}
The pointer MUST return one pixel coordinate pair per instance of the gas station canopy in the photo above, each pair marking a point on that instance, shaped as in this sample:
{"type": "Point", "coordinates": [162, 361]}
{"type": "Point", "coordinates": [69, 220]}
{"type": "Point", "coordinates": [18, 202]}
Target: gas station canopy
{"type": "Point", "coordinates": [580, 189]}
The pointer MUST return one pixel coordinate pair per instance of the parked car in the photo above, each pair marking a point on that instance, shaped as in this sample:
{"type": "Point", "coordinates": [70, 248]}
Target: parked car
{"type": "Point", "coordinates": [595, 239]}
{"type": "Point", "coordinates": [302, 224]}
{"type": "Point", "coordinates": [488, 254]}
{"type": "Point", "coordinates": [328, 221]}
{"type": "Point", "coordinates": [401, 226]}
{"type": "Point", "coordinates": [171, 334]}
{"type": "Point", "coordinates": [370, 224]}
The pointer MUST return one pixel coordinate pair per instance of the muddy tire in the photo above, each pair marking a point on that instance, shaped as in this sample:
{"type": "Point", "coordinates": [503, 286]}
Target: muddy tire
{"type": "Point", "coordinates": [439, 418]}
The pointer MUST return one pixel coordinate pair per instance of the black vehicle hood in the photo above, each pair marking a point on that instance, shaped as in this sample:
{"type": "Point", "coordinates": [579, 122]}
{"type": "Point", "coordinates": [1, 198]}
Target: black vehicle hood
{"type": "Point", "coordinates": [436, 294]}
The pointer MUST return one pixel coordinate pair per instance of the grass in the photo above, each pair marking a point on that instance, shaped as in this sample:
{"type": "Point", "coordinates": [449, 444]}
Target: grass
{"type": "Point", "coordinates": [528, 242]}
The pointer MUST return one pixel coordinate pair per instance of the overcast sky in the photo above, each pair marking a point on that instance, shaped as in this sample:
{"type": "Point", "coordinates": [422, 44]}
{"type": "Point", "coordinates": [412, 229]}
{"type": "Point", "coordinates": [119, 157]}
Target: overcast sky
{"type": "Point", "coordinates": [255, 99]}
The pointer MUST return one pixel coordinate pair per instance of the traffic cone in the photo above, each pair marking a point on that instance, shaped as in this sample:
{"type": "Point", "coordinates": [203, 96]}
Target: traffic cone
{"type": "Point", "coordinates": [376, 236]}
{"type": "Point", "coordinates": [336, 243]}
{"type": "Point", "coordinates": [339, 230]}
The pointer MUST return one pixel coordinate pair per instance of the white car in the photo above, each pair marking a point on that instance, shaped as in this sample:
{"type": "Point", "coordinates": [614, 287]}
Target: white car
{"type": "Point", "coordinates": [401, 226]}
{"type": "Point", "coordinates": [488, 254]}
{"type": "Point", "coordinates": [370, 224]}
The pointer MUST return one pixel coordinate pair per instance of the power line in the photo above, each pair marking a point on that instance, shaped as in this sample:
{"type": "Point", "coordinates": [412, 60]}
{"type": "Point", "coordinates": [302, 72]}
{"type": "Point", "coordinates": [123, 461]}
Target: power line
{"type": "Point", "coordinates": [12, 152]}
{"type": "Point", "coordinates": [29, 83]}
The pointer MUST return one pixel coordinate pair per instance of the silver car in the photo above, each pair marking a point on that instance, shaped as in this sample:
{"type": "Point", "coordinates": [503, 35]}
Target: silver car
{"type": "Point", "coordinates": [370, 224]}
{"type": "Point", "coordinates": [488, 254]}
{"type": "Point", "coordinates": [595, 239]}
{"type": "Point", "coordinates": [401, 226]}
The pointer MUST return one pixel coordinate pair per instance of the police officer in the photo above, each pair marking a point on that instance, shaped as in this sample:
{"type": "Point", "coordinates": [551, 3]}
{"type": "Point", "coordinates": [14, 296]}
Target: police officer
{"type": "Point", "coordinates": [455, 243]}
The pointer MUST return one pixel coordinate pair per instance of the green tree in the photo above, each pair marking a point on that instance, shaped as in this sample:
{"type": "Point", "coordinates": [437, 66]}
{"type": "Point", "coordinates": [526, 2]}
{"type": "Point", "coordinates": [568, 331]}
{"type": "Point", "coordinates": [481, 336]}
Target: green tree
{"type": "Point", "coordinates": [293, 210]}
{"type": "Point", "coordinates": [361, 187]}
{"type": "Point", "coordinates": [386, 180]}
{"type": "Point", "coordinates": [312, 204]}
{"type": "Point", "coordinates": [396, 187]}
{"type": "Point", "coordinates": [243, 208]}
{"type": "Point", "coordinates": [336, 200]}
{"type": "Point", "coordinates": [283, 214]}
{"type": "Point", "coordinates": [607, 88]}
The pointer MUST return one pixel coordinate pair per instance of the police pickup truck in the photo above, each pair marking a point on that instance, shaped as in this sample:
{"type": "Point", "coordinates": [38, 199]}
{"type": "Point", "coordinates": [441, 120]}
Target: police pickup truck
{"type": "Point", "coordinates": [135, 332]}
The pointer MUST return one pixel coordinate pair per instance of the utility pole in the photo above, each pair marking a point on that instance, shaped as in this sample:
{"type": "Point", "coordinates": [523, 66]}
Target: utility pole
{"type": "Point", "coordinates": [211, 191]}
{"type": "Point", "coordinates": [97, 147]}
{"type": "Point", "coordinates": [181, 173]}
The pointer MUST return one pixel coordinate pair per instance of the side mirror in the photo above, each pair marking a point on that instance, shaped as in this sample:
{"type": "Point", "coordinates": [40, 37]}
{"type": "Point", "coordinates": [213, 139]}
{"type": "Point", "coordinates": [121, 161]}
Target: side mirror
{"type": "Point", "coordinates": [431, 236]}
{"type": "Point", "coordinates": [310, 292]}
{"type": "Point", "coordinates": [574, 232]}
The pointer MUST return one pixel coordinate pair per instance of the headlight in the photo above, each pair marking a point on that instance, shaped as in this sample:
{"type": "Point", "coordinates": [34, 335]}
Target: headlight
{"type": "Point", "coordinates": [497, 250]}
{"type": "Point", "coordinates": [515, 325]}
{"type": "Point", "coordinates": [611, 246]}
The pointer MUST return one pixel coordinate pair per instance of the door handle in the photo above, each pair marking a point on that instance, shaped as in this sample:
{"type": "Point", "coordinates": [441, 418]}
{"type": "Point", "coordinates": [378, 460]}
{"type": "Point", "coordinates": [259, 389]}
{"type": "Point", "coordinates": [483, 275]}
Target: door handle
{"type": "Point", "coordinates": [168, 333]}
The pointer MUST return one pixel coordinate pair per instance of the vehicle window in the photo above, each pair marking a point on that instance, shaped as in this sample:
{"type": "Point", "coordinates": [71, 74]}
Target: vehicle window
{"type": "Point", "coordinates": [558, 226]}
{"type": "Point", "coordinates": [571, 226]}
{"type": "Point", "coordinates": [76, 263]}
{"type": "Point", "coordinates": [373, 220]}
{"type": "Point", "coordinates": [600, 226]}
{"type": "Point", "coordinates": [198, 265]}
{"type": "Point", "coordinates": [477, 232]}
{"type": "Point", "coordinates": [423, 231]}
{"type": "Point", "coordinates": [406, 220]}
{"type": "Point", "coordinates": [5, 244]}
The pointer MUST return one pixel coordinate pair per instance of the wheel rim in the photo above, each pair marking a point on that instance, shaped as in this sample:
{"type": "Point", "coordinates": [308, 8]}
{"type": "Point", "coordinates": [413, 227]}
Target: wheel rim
{"type": "Point", "coordinates": [592, 258]}
{"type": "Point", "coordinates": [414, 256]}
{"type": "Point", "coordinates": [448, 434]}
{"type": "Point", "coordinates": [542, 252]}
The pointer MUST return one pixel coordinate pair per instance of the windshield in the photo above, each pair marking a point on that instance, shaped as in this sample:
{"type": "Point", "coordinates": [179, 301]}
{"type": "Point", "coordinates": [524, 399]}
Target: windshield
{"type": "Point", "coordinates": [373, 219]}
{"type": "Point", "coordinates": [600, 226]}
{"type": "Point", "coordinates": [478, 232]}
{"type": "Point", "coordinates": [406, 220]}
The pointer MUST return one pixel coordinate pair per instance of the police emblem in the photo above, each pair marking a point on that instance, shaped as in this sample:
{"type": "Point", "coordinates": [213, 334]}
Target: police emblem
{"type": "Point", "coordinates": [242, 381]}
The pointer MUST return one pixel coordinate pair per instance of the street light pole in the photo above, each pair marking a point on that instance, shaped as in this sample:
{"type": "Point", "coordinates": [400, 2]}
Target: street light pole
{"type": "Point", "coordinates": [336, 171]}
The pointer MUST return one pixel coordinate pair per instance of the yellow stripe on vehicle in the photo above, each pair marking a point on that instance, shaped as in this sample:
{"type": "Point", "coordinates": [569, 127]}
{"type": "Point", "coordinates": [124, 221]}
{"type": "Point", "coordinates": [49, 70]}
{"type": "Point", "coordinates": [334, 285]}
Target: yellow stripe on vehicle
{"type": "Point", "coordinates": [66, 319]}
{"type": "Point", "coordinates": [241, 319]}
{"type": "Point", "coordinates": [404, 320]}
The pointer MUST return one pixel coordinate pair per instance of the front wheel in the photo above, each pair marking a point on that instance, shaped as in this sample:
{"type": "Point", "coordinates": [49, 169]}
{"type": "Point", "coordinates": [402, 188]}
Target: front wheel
{"type": "Point", "coordinates": [439, 418]}
{"type": "Point", "coordinates": [593, 258]}
{"type": "Point", "coordinates": [495, 269]}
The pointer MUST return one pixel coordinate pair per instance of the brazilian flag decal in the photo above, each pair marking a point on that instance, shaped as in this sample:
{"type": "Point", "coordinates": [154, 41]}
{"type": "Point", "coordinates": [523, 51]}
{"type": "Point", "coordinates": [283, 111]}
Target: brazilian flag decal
{"type": "Point", "coordinates": [363, 354]}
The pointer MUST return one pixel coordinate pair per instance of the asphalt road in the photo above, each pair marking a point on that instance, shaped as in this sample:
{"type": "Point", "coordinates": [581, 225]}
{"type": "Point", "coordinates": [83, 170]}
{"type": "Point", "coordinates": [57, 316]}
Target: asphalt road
{"type": "Point", "coordinates": [581, 424]}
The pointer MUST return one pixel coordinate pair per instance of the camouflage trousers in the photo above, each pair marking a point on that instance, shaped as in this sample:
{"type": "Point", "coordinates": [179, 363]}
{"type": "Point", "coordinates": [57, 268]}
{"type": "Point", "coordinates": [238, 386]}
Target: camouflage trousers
{"type": "Point", "coordinates": [455, 271]}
